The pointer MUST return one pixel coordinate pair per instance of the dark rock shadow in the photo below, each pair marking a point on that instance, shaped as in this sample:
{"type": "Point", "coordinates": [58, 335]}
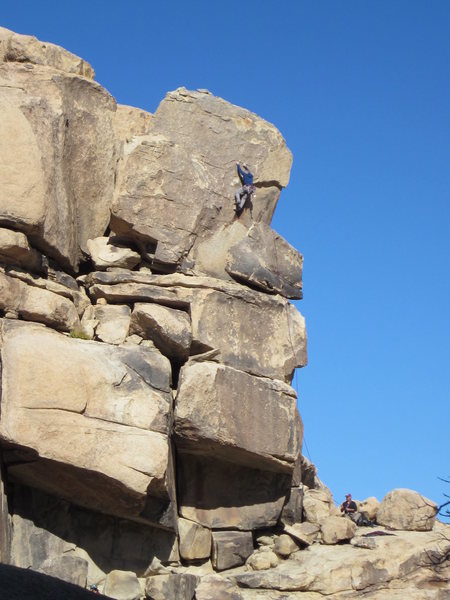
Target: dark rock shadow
{"type": "Point", "coordinates": [23, 584]}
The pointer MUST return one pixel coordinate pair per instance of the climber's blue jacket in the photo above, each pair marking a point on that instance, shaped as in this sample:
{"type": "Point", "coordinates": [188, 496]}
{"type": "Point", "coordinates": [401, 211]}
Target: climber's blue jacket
{"type": "Point", "coordinates": [246, 176]}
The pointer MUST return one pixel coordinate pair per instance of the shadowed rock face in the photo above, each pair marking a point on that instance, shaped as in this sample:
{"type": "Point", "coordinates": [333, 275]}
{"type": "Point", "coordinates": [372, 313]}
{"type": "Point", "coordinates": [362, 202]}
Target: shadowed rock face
{"type": "Point", "coordinates": [224, 495]}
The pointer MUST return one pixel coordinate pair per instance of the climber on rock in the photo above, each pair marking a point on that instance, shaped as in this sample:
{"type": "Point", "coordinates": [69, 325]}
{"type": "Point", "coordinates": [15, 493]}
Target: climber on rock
{"type": "Point", "coordinates": [245, 192]}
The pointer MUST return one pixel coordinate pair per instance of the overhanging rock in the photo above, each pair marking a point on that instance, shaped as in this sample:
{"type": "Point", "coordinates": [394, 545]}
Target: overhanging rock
{"type": "Point", "coordinates": [230, 414]}
{"type": "Point", "coordinates": [87, 421]}
{"type": "Point", "coordinates": [177, 183]}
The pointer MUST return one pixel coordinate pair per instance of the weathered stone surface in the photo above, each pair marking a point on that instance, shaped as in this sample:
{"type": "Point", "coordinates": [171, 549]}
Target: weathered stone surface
{"type": "Point", "coordinates": [105, 402]}
{"type": "Point", "coordinates": [72, 569]}
{"type": "Point", "coordinates": [168, 328]}
{"type": "Point", "coordinates": [20, 584]}
{"type": "Point", "coordinates": [130, 122]}
{"type": "Point", "coordinates": [396, 563]}
{"type": "Point", "coordinates": [15, 250]}
{"type": "Point", "coordinates": [15, 47]}
{"type": "Point", "coordinates": [265, 260]}
{"type": "Point", "coordinates": [221, 313]}
{"type": "Point", "coordinates": [293, 509]}
{"type": "Point", "coordinates": [220, 319]}
{"type": "Point", "coordinates": [406, 509]}
{"type": "Point", "coordinates": [186, 166]}
{"type": "Point", "coordinates": [305, 533]}
{"type": "Point", "coordinates": [223, 495]}
{"type": "Point", "coordinates": [195, 540]}
{"type": "Point", "coordinates": [54, 170]}
{"type": "Point", "coordinates": [113, 323]}
{"type": "Point", "coordinates": [317, 505]}
{"type": "Point", "coordinates": [172, 585]}
{"type": "Point", "coordinates": [108, 252]}
{"type": "Point", "coordinates": [370, 507]}
{"type": "Point", "coordinates": [215, 587]}
{"type": "Point", "coordinates": [56, 282]}
{"type": "Point", "coordinates": [236, 416]}
{"type": "Point", "coordinates": [337, 529]}
{"type": "Point", "coordinates": [122, 585]}
{"type": "Point", "coordinates": [284, 545]}
{"type": "Point", "coordinates": [262, 559]}
{"type": "Point", "coordinates": [36, 304]}
{"type": "Point", "coordinates": [231, 548]}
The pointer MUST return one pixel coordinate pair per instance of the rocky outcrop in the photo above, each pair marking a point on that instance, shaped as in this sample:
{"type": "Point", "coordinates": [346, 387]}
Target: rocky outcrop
{"type": "Point", "coordinates": [56, 170]}
{"type": "Point", "coordinates": [186, 165]}
{"type": "Point", "coordinates": [150, 441]}
{"type": "Point", "coordinates": [406, 509]}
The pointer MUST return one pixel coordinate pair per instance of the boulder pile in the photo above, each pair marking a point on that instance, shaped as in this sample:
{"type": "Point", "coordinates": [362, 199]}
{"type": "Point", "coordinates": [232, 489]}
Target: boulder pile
{"type": "Point", "coordinates": [149, 435]}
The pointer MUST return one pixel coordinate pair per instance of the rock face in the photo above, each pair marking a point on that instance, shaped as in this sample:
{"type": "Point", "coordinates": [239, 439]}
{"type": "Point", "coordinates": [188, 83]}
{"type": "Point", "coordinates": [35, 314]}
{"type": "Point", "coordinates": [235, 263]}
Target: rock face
{"type": "Point", "coordinates": [149, 434]}
{"type": "Point", "coordinates": [242, 418]}
{"type": "Point", "coordinates": [55, 171]}
{"type": "Point", "coordinates": [186, 166]}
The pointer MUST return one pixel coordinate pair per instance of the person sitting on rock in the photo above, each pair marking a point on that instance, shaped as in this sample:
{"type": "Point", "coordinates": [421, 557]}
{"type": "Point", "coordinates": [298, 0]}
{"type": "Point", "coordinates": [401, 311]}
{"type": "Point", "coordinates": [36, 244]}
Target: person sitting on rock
{"type": "Point", "coordinates": [350, 509]}
{"type": "Point", "coordinates": [245, 192]}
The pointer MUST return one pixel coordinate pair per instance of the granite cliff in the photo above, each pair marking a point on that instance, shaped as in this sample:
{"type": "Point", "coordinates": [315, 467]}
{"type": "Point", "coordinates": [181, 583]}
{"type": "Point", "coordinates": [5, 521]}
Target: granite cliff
{"type": "Point", "coordinates": [150, 437]}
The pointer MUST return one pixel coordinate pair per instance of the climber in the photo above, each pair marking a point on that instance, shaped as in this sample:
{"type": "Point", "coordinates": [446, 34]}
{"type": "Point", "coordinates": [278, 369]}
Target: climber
{"type": "Point", "coordinates": [93, 588]}
{"type": "Point", "coordinates": [245, 192]}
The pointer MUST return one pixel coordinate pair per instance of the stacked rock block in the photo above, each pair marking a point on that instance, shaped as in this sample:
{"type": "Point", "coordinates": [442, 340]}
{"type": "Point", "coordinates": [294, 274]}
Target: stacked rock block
{"type": "Point", "coordinates": [147, 338]}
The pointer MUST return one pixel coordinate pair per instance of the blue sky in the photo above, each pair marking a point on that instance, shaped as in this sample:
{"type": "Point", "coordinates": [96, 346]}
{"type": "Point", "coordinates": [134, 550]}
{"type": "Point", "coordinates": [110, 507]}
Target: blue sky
{"type": "Point", "coordinates": [361, 91]}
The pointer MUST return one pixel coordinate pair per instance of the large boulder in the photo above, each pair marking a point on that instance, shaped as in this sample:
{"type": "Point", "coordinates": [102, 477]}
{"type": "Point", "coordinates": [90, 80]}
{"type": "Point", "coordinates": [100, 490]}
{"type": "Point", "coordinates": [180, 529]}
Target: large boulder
{"type": "Point", "coordinates": [369, 506]}
{"type": "Point", "coordinates": [57, 148]}
{"type": "Point", "coordinates": [177, 183]}
{"type": "Point", "coordinates": [236, 416]}
{"type": "Point", "coordinates": [407, 510]}
{"type": "Point", "coordinates": [265, 260]}
{"type": "Point", "coordinates": [337, 529]}
{"type": "Point", "coordinates": [317, 505]}
{"type": "Point", "coordinates": [106, 444]}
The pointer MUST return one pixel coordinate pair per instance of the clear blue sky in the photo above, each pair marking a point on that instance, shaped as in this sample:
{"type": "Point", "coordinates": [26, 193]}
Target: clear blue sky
{"type": "Point", "coordinates": [361, 91]}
